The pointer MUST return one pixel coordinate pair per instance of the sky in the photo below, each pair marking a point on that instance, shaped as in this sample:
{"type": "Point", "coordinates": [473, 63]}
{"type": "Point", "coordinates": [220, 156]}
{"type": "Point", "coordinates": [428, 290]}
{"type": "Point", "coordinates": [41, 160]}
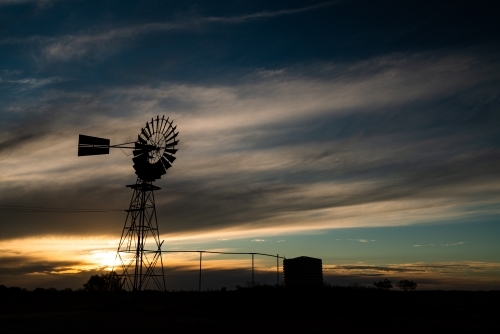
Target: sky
{"type": "Point", "coordinates": [363, 133]}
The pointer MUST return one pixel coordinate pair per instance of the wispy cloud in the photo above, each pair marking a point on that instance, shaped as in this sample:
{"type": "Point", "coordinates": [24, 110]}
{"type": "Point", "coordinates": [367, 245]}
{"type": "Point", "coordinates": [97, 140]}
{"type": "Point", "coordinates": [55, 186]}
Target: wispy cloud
{"type": "Point", "coordinates": [362, 240]}
{"type": "Point", "coordinates": [101, 41]}
{"type": "Point", "coordinates": [33, 82]}
{"type": "Point", "coordinates": [267, 14]}
{"type": "Point", "coordinates": [447, 268]}
{"type": "Point", "coordinates": [454, 244]}
{"type": "Point", "coordinates": [17, 2]}
{"type": "Point", "coordinates": [445, 245]}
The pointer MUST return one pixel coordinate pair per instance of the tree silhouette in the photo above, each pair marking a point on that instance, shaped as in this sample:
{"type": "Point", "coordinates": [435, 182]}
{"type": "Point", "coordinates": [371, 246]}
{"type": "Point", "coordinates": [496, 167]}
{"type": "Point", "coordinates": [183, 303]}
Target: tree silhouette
{"type": "Point", "coordinates": [385, 284]}
{"type": "Point", "coordinates": [406, 285]}
{"type": "Point", "coordinates": [109, 282]}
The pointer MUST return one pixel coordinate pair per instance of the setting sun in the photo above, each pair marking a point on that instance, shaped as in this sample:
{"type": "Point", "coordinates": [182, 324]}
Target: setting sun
{"type": "Point", "coordinates": [103, 259]}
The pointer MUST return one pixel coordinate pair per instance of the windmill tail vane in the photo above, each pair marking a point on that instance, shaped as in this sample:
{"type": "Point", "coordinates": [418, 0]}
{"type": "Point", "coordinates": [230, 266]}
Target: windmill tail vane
{"type": "Point", "coordinates": [139, 249]}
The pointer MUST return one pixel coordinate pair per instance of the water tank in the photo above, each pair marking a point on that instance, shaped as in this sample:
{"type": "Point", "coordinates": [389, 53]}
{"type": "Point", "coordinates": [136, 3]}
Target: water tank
{"type": "Point", "coordinates": [302, 271]}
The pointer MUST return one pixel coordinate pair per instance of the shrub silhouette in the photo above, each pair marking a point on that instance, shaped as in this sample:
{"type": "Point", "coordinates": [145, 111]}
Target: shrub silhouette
{"type": "Point", "coordinates": [109, 282]}
{"type": "Point", "coordinates": [406, 285]}
{"type": "Point", "coordinates": [385, 284]}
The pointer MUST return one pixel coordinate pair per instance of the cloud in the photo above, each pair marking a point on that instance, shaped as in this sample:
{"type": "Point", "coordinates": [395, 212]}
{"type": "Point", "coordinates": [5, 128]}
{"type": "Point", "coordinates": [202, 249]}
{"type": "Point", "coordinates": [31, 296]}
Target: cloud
{"type": "Point", "coordinates": [101, 41]}
{"type": "Point", "coordinates": [11, 72]}
{"type": "Point", "coordinates": [258, 240]}
{"type": "Point", "coordinates": [370, 269]}
{"type": "Point", "coordinates": [271, 73]}
{"type": "Point", "coordinates": [362, 240]}
{"type": "Point", "coordinates": [34, 82]}
{"type": "Point", "coordinates": [266, 14]}
{"type": "Point", "coordinates": [362, 145]}
{"type": "Point", "coordinates": [22, 265]}
{"type": "Point", "coordinates": [446, 245]}
{"type": "Point", "coordinates": [454, 244]}
{"type": "Point", "coordinates": [18, 2]}
{"type": "Point", "coordinates": [420, 267]}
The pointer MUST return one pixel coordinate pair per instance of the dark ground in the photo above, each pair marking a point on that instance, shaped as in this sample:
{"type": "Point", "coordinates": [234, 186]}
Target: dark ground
{"type": "Point", "coordinates": [249, 311]}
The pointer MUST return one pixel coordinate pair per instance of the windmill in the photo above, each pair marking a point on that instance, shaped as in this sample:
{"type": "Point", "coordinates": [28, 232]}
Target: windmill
{"type": "Point", "coordinates": [140, 258]}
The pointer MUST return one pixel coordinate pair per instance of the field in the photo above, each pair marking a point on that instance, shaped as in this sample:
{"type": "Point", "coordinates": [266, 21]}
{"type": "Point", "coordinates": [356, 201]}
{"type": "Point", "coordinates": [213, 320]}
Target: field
{"type": "Point", "coordinates": [266, 310]}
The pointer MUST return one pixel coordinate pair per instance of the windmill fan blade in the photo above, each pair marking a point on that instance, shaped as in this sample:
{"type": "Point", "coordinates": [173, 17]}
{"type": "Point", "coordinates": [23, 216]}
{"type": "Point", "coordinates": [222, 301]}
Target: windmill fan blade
{"type": "Point", "coordinates": [160, 126]}
{"type": "Point", "coordinates": [141, 140]}
{"type": "Point", "coordinates": [149, 130]}
{"type": "Point", "coordinates": [171, 138]}
{"type": "Point", "coordinates": [166, 163]}
{"type": "Point", "coordinates": [159, 169]}
{"type": "Point", "coordinates": [140, 146]}
{"type": "Point", "coordinates": [170, 131]}
{"type": "Point", "coordinates": [152, 125]}
{"type": "Point", "coordinates": [145, 134]}
{"type": "Point", "coordinates": [171, 150]}
{"type": "Point", "coordinates": [157, 123]}
{"type": "Point", "coordinates": [141, 166]}
{"type": "Point", "coordinates": [169, 157]}
{"type": "Point", "coordinates": [143, 173]}
{"type": "Point", "coordinates": [141, 159]}
{"type": "Point", "coordinates": [146, 174]}
{"type": "Point", "coordinates": [172, 144]}
{"type": "Point", "coordinates": [164, 125]}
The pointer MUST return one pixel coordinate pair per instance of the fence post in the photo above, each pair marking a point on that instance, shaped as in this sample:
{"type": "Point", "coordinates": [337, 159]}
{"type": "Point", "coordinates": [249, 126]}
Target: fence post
{"type": "Point", "coordinates": [252, 271]}
{"type": "Point", "coordinates": [277, 271]}
{"type": "Point", "coordinates": [199, 281]}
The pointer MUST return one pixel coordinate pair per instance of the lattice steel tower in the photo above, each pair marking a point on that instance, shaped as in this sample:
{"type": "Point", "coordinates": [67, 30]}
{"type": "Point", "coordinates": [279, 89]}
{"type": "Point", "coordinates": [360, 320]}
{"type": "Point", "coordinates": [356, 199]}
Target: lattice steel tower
{"type": "Point", "coordinates": [139, 251]}
{"type": "Point", "coordinates": [138, 258]}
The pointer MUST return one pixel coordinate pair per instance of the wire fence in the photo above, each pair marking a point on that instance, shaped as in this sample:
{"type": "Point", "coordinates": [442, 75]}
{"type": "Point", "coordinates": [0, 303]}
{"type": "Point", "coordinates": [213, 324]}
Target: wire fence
{"type": "Point", "coordinates": [277, 256]}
